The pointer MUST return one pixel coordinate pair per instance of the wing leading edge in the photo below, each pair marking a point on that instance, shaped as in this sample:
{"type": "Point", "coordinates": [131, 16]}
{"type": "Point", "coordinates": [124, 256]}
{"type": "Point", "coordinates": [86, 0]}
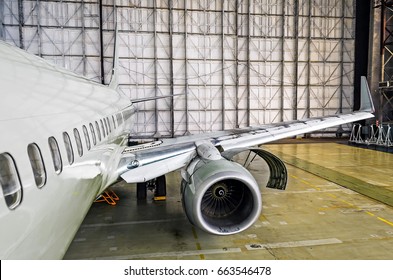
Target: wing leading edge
{"type": "Point", "coordinates": [143, 163]}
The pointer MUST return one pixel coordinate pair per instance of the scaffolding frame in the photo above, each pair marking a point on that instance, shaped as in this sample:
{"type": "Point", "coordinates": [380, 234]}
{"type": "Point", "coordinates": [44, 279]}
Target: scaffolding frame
{"type": "Point", "coordinates": [385, 112]}
{"type": "Point", "coordinates": [238, 63]}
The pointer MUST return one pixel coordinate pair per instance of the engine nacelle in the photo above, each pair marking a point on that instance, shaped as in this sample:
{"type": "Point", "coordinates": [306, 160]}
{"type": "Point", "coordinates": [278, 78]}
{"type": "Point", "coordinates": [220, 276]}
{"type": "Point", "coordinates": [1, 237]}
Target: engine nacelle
{"type": "Point", "coordinates": [220, 196]}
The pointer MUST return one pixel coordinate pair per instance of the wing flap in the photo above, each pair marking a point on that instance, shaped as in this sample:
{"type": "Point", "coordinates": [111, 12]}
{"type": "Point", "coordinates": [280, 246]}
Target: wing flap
{"type": "Point", "coordinates": [262, 135]}
{"type": "Point", "coordinates": [144, 164]}
{"type": "Point", "coordinates": [153, 170]}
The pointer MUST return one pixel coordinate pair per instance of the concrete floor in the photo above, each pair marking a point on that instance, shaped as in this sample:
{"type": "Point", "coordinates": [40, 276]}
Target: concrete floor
{"type": "Point", "coordinates": [315, 218]}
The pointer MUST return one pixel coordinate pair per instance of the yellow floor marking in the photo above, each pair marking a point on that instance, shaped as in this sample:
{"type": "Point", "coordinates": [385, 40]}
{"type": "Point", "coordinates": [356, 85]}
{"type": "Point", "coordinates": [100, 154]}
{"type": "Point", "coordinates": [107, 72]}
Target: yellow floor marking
{"type": "Point", "coordinates": [332, 195]}
{"type": "Point", "coordinates": [371, 214]}
{"type": "Point", "coordinates": [304, 182]}
{"type": "Point", "coordinates": [385, 221]}
{"type": "Point", "coordinates": [350, 204]}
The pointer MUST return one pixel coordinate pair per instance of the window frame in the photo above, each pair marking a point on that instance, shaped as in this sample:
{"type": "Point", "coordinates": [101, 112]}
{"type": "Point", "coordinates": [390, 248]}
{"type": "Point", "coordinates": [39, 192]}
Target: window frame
{"type": "Point", "coordinates": [102, 127]}
{"type": "Point", "coordinates": [78, 141]}
{"type": "Point", "coordinates": [93, 134]}
{"type": "Point", "coordinates": [98, 131]}
{"type": "Point", "coordinates": [114, 122]}
{"type": "Point", "coordinates": [68, 147]}
{"type": "Point", "coordinates": [39, 170]}
{"type": "Point", "coordinates": [10, 183]}
{"type": "Point", "coordinates": [109, 125]}
{"type": "Point", "coordinates": [87, 137]}
{"type": "Point", "coordinates": [56, 155]}
{"type": "Point", "coordinates": [106, 127]}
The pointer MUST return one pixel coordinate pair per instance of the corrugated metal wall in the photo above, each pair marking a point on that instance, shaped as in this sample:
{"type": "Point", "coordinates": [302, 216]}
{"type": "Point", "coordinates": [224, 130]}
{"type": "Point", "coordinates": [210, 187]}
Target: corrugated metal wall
{"type": "Point", "coordinates": [239, 63]}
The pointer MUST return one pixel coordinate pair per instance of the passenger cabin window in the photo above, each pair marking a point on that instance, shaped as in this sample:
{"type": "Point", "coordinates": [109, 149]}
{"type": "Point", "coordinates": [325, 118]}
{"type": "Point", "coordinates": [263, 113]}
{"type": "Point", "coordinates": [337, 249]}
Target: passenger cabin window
{"type": "Point", "coordinates": [56, 156]}
{"type": "Point", "coordinates": [87, 138]}
{"type": "Point", "coordinates": [102, 127]}
{"type": "Point", "coordinates": [109, 124]}
{"type": "Point", "coordinates": [78, 142]}
{"type": "Point", "coordinates": [114, 122]}
{"type": "Point", "coordinates": [9, 181]}
{"type": "Point", "coordinates": [98, 131]}
{"type": "Point", "coordinates": [93, 134]}
{"type": "Point", "coordinates": [68, 146]}
{"type": "Point", "coordinates": [37, 164]}
{"type": "Point", "coordinates": [106, 127]}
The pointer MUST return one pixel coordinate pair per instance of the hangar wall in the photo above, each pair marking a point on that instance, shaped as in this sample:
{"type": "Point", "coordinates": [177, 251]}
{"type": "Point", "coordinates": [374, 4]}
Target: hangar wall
{"type": "Point", "coordinates": [239, 63]}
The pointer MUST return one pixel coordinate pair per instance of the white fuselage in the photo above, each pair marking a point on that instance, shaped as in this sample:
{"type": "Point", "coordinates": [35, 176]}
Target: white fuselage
{"type": "Point", "coordinates": [38, 101]}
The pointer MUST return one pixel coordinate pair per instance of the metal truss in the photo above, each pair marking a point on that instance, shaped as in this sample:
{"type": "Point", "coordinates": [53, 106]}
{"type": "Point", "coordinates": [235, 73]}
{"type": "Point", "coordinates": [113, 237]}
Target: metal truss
{"type": "Point", "coordinates": [63, 32]}
{"type": "Point", "coordinates": [387, 39]}
{"type": "Point", "coordinates": [238, 63]}
{"type": "Point", "coordinates": [386, 35]}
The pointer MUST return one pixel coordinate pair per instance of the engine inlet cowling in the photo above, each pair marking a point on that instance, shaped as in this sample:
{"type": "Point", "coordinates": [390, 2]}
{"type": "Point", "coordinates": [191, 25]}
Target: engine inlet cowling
{"type": "Point", "coordinates": [221, 197]}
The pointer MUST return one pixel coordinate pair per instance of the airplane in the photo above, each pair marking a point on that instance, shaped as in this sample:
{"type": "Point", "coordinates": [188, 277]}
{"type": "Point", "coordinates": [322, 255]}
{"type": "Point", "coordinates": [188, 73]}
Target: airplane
{"type": "Point", "coordinates": [65, 140]}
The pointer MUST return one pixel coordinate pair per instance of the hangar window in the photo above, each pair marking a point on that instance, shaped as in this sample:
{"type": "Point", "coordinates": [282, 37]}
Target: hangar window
{"type": "Point", "coordinates": [78, 142]}
{"type": "Point", "coordinates": [106, 126]}
{"type": "Point", "coordinates": [87, 138]}
{"type": "Point", "coordinates": [109, 124]}
{"type": "Point", "coordinates": [68, 146]}
{"type": "Point", "coordinates": [9, 181]}
{"type": "Point", "coordinates": [114, 122]}
{"type": "Point", "coordinates": [98, 131]}
{"type": "Point", "coordinates": [37, 164]}
{"type": "Point", "coordinates": [56, 156]}
{"type": "Point", "coordinates": [93, 134]}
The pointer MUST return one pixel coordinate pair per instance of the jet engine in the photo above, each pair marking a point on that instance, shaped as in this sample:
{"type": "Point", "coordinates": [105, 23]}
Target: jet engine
{"type": "Point", "coordinates": [220, 196]}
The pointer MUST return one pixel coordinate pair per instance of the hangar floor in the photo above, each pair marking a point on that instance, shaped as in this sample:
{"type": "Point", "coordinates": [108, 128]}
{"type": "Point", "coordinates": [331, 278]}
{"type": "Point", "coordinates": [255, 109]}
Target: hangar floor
{"type": "Point", "coordinates": [315, 218]}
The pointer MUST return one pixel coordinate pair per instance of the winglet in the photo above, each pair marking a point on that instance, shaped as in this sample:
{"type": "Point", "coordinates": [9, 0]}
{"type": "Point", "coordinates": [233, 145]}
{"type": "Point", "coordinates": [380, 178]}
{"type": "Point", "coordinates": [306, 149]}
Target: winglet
{"type": "Point", "coordinates": [366, 101]}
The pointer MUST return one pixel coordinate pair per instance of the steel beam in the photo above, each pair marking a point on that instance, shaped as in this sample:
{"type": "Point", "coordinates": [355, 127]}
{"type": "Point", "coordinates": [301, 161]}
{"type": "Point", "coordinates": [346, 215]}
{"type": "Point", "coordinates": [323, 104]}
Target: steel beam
{"type": "Point", "coordinates": [248, 62]}
{"type": "Point", "coordinates": [38, 10]}
{"type": "Point", "coordinates": [172, 90]}
{"type": "Point", "coordinates": [102, 65]}
{"type": "Point", "coordinates": [308, 101]}
{"type": "Point", "coordinates": [156, 112]}
{"type": "Point", "coordinates": [21, 24]}
{"type": "Point", "coordinates": [2, 36]}
{"type": "Point", "coordinates": [375, 57]}
{"type": "Point", "coordinates": [223, 89]}
{"type": "Point", "coordinates": [282, 90]}
{"type": "Point", "coordinates": [342, 57]}
{"type": "Point", "coordinates": [296, 60]}
{"type": "Point", "coordinates": [186, 85]}
{"type": "Point", "coordinates": [83, 38]}
{"type": "Point", "coordinates": [237, 63]}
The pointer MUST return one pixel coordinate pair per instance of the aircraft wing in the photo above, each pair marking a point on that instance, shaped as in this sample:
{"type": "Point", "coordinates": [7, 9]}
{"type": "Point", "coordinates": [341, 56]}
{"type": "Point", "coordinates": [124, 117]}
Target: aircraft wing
{"type": "Point", "coordinates": [147, 161]}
